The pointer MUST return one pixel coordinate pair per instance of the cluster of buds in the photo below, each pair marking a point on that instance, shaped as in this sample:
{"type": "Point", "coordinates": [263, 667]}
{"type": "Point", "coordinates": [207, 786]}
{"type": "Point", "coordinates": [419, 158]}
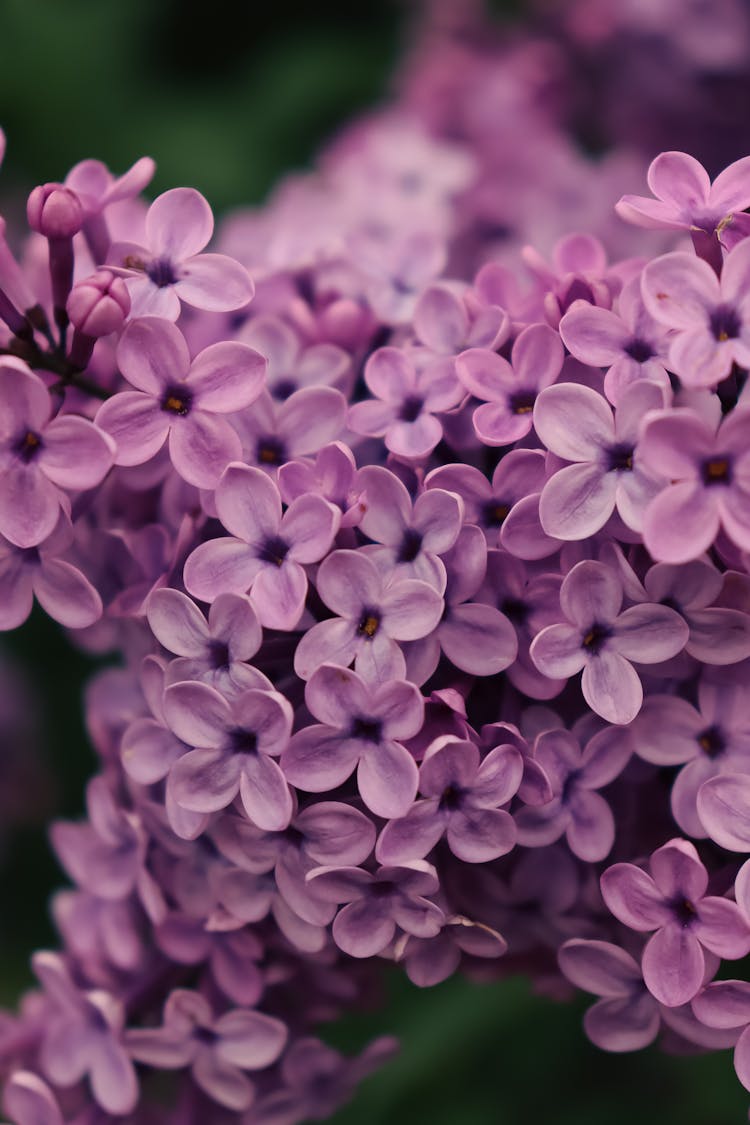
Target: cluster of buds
{"type": "Point", "coordinates": [427, 561]}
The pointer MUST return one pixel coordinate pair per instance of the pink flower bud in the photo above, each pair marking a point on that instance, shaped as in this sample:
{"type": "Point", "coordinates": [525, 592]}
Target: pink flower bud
{"type": "Point", "coordinates": [99, 304]}
{"type": "Point", "coordinates": [54, 211]}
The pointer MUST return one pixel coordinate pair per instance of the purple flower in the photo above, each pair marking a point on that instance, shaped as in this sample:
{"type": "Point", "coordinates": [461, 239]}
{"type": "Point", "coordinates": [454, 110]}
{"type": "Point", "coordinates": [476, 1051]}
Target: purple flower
{"type": "Point", "coordinates": [275, 432]}
{"type": "Point", "coordinates": [576, 809]}
{"type": "Point", "coordinates": [82, 1037]}
{"type": "Point", "coordinates": [265, 551]}
{"type": "Point", "coordinates": [363, 726]}
{"type": "Point", "coordinates": [217, 1049]}
{"type": "Point", "coordinates": [510, 389]}
{"type": "Point", "coordinates": [709, 474]}
{"type": "Point", "coordinates": [725, 1004]}
{"type": "Point", "coordinates": [724, 810]}
{"type": "Point", "coordinates": [179, 399]}
{"type": "Point", "coordinates": [672, 901]}
{"type": "Point", "coordinates": [171, 268]}
{"type": "Point", "coordinates": [448, 323]}
{"type": "Point", "coordinates": [626, 1018]}
{"type": "Point", "coordinates": [236, 741]}
{"type": "Point", "coordinates": [332, 476]}
{"type": "Point", "coordinates": [42, 458]}
{"type": "Point", "coordinates": [408, 392]}
{"type": "Point", "coordinates": [629, 342]}
{"type": "Point", "coordinates": [379, 903]}
{"type": "Point", "coordinates": [463, 794]}
{"type": "Point", "coordinates": [412, 536]}
{"type": "Point", "coordinates": [577, 424]}
{"type": "Point", "coordinates": [29, 1100]}
{"type": "Point", "coordinates": [291, 366]}
{"type": "Point", "coordinates": [711, 315]}
{"type": "Point", "coordinates": [602, 641]}
{"type": "Point", "coordinates": [373, 618]}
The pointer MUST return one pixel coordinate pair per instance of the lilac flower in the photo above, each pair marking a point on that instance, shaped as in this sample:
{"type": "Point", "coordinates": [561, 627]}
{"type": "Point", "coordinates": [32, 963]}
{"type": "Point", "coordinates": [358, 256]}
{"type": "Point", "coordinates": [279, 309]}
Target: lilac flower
{"type": "Point", "coordinates": [273, 433]}
{"type": "Point", "coordinates": [29, 1100]}
{"type": "Point", "coordinates": [181, 400]}
{"type": "Point", "coordinates": [97, 189]}
{"type": "Point", "coordinates": [726, 1004]}
{"type": "Point", "coordinates": [172, 269]}
{"type": "Point", "coordinates": [216, 651]}
{"type": "Point", "coordinates": [711, 315]}
{"type": "Point", "coordinates": [462, 798]}
{"type": "Point", "coordinates": [408, 395]}
{"type": "Point", "coordinates": [266, 551]}
{"type": "Point", "coordinates": [217, 1049]}
{"type": "Point", "coordinates": [41, 458]}
{"type": "Point", "coordinates": [412, 537]}
{"type": "Point", "coordinates": [709, 474]}
{"type": "Point", "coordinates": [724, 810]}
{"type": "Point", "coordinates": [236, 741]}
{"type": "Point", "coordinates": [448, 323]}
{"type": "Point", "coordinates": [333, 476]}
{"type": "Point", "coordinates": [602, 641]}
{"type": "Point", "coordinates": [672, 901]}
{"type": "Point", "coordinates": [290, 365]}
{"type": "Point", "coordinates": [379, 903]}
{"type": "Point", "coordinates": [82, 1037]}
{"type": "Point", "coordinates": [373, 617]}
{"type": "Point", "coordinates": [577, 424]}
{"type": "Point", "coordinates": [576, 809]}
{"type": "Point", "coordinates": [509, 390]}
{"type": "Point", "coordinates": [626, 1018]}
{"type": "Point", "coordinates": [363, 726]}
{"type": "Point", "coordinates": [629, 342]}
{"type": "Point", "coordinates": [62, 590]}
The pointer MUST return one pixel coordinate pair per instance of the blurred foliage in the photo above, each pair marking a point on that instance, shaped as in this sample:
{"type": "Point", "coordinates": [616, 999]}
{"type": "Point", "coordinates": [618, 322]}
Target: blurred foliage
{"type": "Point", "coordinates": [226, 97]}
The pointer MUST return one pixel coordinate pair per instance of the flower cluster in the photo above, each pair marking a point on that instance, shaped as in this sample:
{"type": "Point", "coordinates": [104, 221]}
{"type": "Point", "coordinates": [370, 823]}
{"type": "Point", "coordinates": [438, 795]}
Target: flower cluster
{"type": "Point", "coordinates": [430, 578]}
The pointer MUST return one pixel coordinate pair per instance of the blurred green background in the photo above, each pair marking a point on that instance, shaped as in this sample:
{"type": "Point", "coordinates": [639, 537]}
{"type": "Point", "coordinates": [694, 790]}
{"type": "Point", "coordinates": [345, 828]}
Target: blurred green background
{"type": "Point", "coordinates": [226, 98]}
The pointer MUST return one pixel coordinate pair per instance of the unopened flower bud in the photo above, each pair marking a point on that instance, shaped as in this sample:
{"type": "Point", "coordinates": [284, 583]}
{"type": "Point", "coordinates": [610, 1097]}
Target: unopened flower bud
{"type": "Point", "coordinates": [54, 211]}
{"type": "Point", "coordinates": [99, 304]}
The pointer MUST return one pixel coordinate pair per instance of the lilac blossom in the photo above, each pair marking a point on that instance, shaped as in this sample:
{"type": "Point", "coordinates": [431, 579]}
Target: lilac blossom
{"type": "Point", "coordinates": [171, 269]}
{"type": "Point", "coordinates": [602, 641]}
{"type": "Point", "coordinates": [290, 365]}
{"type": "Point", "coordinates": [181, 400]}
{"type": "Point", "coordinates": [273, 433]}
{"type": "Point", "coordinates": [42, 457]}
{"type": "Point", "coordinates": [97, 189]}
{"type": "Point", "coordinates": [332, 476]}
{"type": "Point", "coordinates": [710, 315]}
{"type": "Point", "coordinates": [448, 322]}
{"type": "Point", "coordinates": [361, 726]}
{"type": "Point", "coordinates": [672, 901]}
{"type": "Point", "coordinates": [235, 742]}
{"type": "Point", "coordinates": [378, 903]}
{"type": "Point", "coordinates": [709, 474]}
{"type": "Point", "coordinates": [30, 1101]}
{"type": "Point", "coordinates": [373, 617]}
{"type": "Point", "coordinates": [218, 1050]}
{"type": "Point", "coordinates": [626, 1017]}
{"type": "Point", "coordinates": [630, 343]}
{"type": "Point", "coordinates": [576, 808]}
{"type": "Point", "coordinates": [266, 551]}
{"type": "Point", "coordinates": [577, 424]}
{"type": "Point", "coordinates": [725, 1004]}
{"type": "Point", "coordinates": [409, 393]}
{"type": "Point", "coordinates": [509, 390]}
{"type": "Point", "coordinates": [463, 795]}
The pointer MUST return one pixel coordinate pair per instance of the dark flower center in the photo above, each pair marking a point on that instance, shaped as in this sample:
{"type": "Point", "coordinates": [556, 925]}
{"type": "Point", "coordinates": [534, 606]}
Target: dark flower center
{"type": "Point", "coordinates": [411, 545]}
{"type": "Point", "coordinates": [411, 408]}
{"type": "Point", "coordinates": [28, 446]}
{"type": "Point", "coordinates": [685, 911]}
{"type": "Point", "coordinates": [639, 350]}
{"type": "Point", "coordinates": [620, 458]}
{"type": "Point", "coordinates": [595, 639]}
{"type": "Point", "coordinates": [367, 730]}
{"type": "Point", "coordinates": [218, 655]}
{"type": "Point", "coordinates": [294, 837]}
{"type": "Point", "coordinates": [369, 623]}
{"type": "Point", "coordinates": [242, 741]}
{"type": "Point", "coordinates": [205, 1035]}
{"type": "Point", "coordinates": [515, 610]}
{"type": "Point", "coordinates": [270, 451]}
{"type": "Point", "coordinates": [284, 388]}
{"type": "Point", "coordinates": [177, 400]}
{"type": "Point", "coordinates": [717, 470]}
{"type": "Point", "coordinates": [161, 272]}
{"type": "Point", "coordinates": [494, 513]}
{"type": "Point", "coordinates": [725, 324]}
{"type": "Point", "coordinates": [450, 798]}
{"type": "Point", "coordinates": [274, 550]}
{"type": "Point", "coordinates": [711, 741]}
{"type": "Point", "coordinates": [383, 889]}
{"type": "Point", "coordinates": [522, 402]}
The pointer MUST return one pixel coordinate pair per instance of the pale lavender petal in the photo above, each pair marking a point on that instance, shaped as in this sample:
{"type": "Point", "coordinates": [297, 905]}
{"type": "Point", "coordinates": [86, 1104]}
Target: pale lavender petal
{"type": "Point", "coordinates": [177, 623]}
{"type": "Point", "coordinates": [387, 505]}
{"type": "Point", "coordinates": [309, 526]}
{"type": "Point", "coordinates": [278, 595]}
{"type": "Point", "coordinates": [625, 1024]}
{"type": "Point", "coordinates": [389, 375]}
{"type": "Point", "coordinates": [152, 354]}
{"type": "Point", "coordinates": [481, 835]}
{"type": "Point", "coordinates": [478, 639]}
{"type": "Point", "coordinates": [311, 418]}
{"type": "Point", "coordinates": [348, 581]}
{"type": "Point", "coordinates": [318, 759]}
{"type": "Point", "coordinates": [66, 594]}
{"type": "Point", "coordinates": [136, 424]}
{"type": "Point", "coordinates": [336, 696]}
{"type": "Point", "coordinates": [29, 505]}
{"type": "Point", "coordinates": [363, 929]}
{"type": "Point", "coordinates": [251, 1040]}
{"type": "Point", "coordinates": [721, 928]}
{"type": "Point", "coordinates": [485, 374]}
{"type": "Point", "coordinates": [329, 642]}
{"type": "Point", "coordinates": [496, 424]}
{"type": "Point", "coordinates": [206, 780]}
{"type": "Point", "coordinates": [681, 523]}
{"type": "Point", "coordinates": [148, 751]}
{"type": "Point", "coordinates": [649, 633]}
{"type": "Point", "coordinates": [223, 1082]}
{"type": "Point", "coordinates": [577, 501]}
{"type": "Point", "coordinates": [633, 897]}
{"type": "Point", "coordinates": [599, 967]}
{"type": "Point", "coordinates": [411, 836]}
{"type": "Point", "coordinates": [226, 377]}
{"type": "Point", "coordinates": [679, 289]}
{"type": "Point", "coordinates": [265, 794]}
{"type": "Point", "coordinates": [214, 282]}
{"type": "Point", "coordinates": [558, 651]}
{"type": "Point", "coordinates": [179, 223]}
{"type": "Point", "coordinates": [611, 687]}
{"type": "Point", "coordinates": [594, 335]}
{"type": "Point", "coordinates": [724, 1004]}
{"type": "Point", "coordinates": [673, 965]}
{"type": "Point", "coordinates": [113, 1079]}
{"type": "Point", "coordinates": [75, 454]}
{"type": "Point", "coordinates": [248, 503]}
{"type": "Point", "coordinates": [387, 779]}
{"type": "Point", "coordinates": [198, 714]}
{"type": "Point", "coordinates": [201, 446]}
{"type": "Point", "coordinates": [414, 440]}
{"type": "Point", "coordinates": [410, 609]}
{"type": "Point", "coordinates": [573, 421]}
{"type": "Point", "coordinates": [591, 831]}
{"type": "Point", "coordinates": [221, 566]}
{"type": "Point", "coordinates": [724, 809]}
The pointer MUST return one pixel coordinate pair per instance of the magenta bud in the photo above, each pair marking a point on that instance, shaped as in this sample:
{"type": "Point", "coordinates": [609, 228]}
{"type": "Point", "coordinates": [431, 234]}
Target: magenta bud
{"type": "Point", "coordinates": [54, 211]}
{"type": "Point", "coordinates": [99, 304]}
